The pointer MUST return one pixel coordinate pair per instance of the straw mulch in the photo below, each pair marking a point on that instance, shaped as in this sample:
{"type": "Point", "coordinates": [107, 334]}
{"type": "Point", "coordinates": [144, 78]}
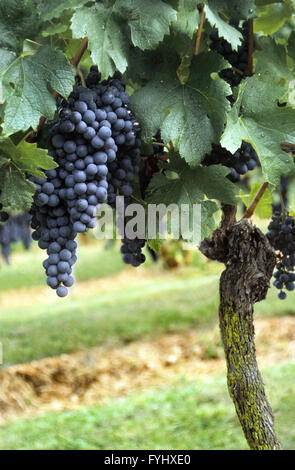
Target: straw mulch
{"type": "Point", "coordinates": [91, 376]}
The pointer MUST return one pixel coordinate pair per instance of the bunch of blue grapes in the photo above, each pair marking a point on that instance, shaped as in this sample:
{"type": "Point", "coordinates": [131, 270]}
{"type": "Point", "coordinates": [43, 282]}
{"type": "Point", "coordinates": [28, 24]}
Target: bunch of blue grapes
{"type": "Point", "coordinates": [96, 146]}
{"type": "Point", "coordinates": [243, 160]}
{"type": "Point", "coordinates": [15, 229]}
{"type": "Point", "coordinates": [53, 229]}
{"type": "Point", "coordinates": [281, 234]}
{"type": "Point", "coordinates": [66, 200]}
{"type": "Point", "coordinates": [123, 169]}
{"type": "Point", "coordinates": [83, 145]}
{"type": "Point", "coordinates": [238, 59]}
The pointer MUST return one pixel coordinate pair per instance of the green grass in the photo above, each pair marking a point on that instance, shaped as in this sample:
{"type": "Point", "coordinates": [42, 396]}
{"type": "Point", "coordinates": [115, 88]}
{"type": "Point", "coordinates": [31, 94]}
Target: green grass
{"type": "Point", "coordinates": [119, 316]}
{"type": "Point", "coordinates": [188, 415]}
{"type": "Point", "coordinates": [26, 268]}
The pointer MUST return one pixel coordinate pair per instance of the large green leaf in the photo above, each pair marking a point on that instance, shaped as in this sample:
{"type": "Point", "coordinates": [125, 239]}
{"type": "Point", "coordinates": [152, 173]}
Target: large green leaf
{"type": "Point", "coordinates": [187, 18]}
{"type": "Point", "coordinates": [291, 46]}
{"type": "Point", "coordinates": [16, 191]}
{"type": "Point", "coordinates": [234, 9]}
{"type": "Point", "coordinates": [27, 157]}
{"type": "Point", "coordinates": [181, 185]}
{"type": "Point", "coordinates": [191, 186]}
{"type": "Point", "coordinates": [16, 162]}
{"type": "Point", "coordinates": [28, 83]}
{"type": "Point", "coordinates": [272, 63]}
{"type": "Point", "coordinates": [185, 193]}
{"type": "Point", "coordinates": [55, 8]}
{"type": "Point", "coordinates": [108, 25]}
{"type": "Point", "coordinates": [107, 42]}
{"type": "Point", "coordinates": [272, 17]}
{"type": "Point", "coordinates": [231, 34]}
{"type": "Point", "coordinates": [18, 21]}
{"type": "Point", "coordinates": [191, 115]}
{"type": "Point", "coordinates": [148, 21]}
{"type": "Point", "coordinates": [257, 118]}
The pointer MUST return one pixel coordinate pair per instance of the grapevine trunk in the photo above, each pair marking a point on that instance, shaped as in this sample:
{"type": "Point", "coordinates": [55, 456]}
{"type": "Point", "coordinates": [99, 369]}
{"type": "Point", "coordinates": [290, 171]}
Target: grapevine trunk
{"type": "Point", "coordinates": [249, 261]}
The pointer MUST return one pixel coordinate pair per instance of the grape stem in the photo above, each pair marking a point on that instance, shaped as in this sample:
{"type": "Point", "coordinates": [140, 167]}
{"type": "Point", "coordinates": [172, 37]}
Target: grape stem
{"type": "Point", "coordinates": [250, 47]}
{"type": "Point", "coordinates": [200, 28]}
{"type": "Point", "coordinates": [80, 52]}
{"type": "Point", "coordinates": [251, 209]}
{"type": "Point", "coordinates": [75, 61]}
{"type": "Point", "coordinates": [288, 147]}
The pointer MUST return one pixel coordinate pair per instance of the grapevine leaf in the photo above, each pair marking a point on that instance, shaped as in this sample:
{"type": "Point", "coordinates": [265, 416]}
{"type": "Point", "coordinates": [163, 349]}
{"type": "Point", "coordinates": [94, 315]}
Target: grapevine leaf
{"type": "Point", "coordinates": [163, 190]}
{"type": "Point", "coordinates": [209, 222]}
{"type": "Point", "coordinates": [236, 9]}
{"type": "Point", "coordinates": [55, 8]}
{"type": "Point", "coordinates": [148, 21]}
{"type": "Point", "coordinates": [16, 191]}
{"type": "Point", "coordinates": [156, 244]}
{"type": "Point", "coordinates": [174, 48]}
{"type": "Point", "coordinates": [55, 28]}
{"type": "Point", "coordinates": [257, 118]}
{"type": "Point", "coordinates": [264, 207]}
{"type": "Point", "coordinates": [6, 58]}
{"type": "Point", "coordinates": [191, 115]}
{"type": "Point", "coordinates": [18, 20]}
{"type": "Point", "coordinates": [106, 26]}
{"type": "Point", "coordinates": [27, 157]}
{"type": "Point", "coordinates": [28, 83]}
{"type": "Point", "coordinates": [231, 34]}
{"type": "Point", "coordinates": [291, 46]}
{"type": "Point", "coordinates": [188, 18]}
{"type": "Point", "coordinates": [191, 185]}
{"type": "Point", "coordinates": [272, 17]}
{"type": "Point", "coordinates": [107, 42]}
{"type": "Point", "coordinates": [272, 63]}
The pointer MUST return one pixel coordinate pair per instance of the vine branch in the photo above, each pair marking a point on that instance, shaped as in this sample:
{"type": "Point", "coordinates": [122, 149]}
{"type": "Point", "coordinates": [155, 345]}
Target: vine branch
{"type": "Point", "coordinates": [84, 44]}
{"type": "Point", "coordinates": [251, 209]}
{"type": "Point", "coordinates": [250, 47]}
{"type": "Point", "coordinates": [200, 28]}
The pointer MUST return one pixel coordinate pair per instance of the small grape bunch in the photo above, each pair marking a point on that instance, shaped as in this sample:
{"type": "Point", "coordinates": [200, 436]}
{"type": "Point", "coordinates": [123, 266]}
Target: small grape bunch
{"type": "Point", "coordinates": [281, 234]}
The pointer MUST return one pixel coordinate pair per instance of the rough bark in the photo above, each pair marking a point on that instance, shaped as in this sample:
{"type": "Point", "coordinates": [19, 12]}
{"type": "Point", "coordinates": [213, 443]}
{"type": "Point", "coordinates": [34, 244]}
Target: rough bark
{"type": "Point", "coordinates": [249, 260]}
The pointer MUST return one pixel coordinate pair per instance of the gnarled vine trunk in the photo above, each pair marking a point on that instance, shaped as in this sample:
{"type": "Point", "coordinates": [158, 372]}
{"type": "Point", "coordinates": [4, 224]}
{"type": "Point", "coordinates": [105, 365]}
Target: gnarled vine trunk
{"type": "Point", "coordinates": [249, 260]}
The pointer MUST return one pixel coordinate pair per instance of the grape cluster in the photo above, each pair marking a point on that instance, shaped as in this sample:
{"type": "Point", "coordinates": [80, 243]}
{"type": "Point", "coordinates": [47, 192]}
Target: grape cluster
{"type": "Point", "coordinates": [281, 234]}
{"type": "Point", "coordinates": [83, 145]}
{"type": "Point", "coordinates": [97, 149]}
{"type": "Point", "coordinates": [238, 59]}
{"type": "Point", "coordinates": [151, 163]}
{"type": "Point", "coordinates": [54, 232]}
{"type": "Point", "coordinates": [125, 167]}
{"type": "Point", "coordinates": [17, 228]}
{"type": "Point", "coordinates": [132, 251]}
{"type": "Point", "coordinates": [243, 160]}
